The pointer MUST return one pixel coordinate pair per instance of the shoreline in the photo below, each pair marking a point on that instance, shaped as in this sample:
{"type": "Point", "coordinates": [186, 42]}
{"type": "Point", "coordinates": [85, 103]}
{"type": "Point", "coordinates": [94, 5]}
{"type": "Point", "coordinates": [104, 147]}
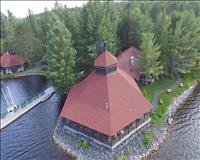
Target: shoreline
{"type": "Point", "coordinates": [137, 153]}
{"type": "Point", "coordinates": [165, 128]}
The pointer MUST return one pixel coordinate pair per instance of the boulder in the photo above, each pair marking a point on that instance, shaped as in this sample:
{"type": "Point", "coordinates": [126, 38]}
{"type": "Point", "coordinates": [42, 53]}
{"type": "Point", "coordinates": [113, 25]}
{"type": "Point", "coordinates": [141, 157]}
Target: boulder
{"type": "Point", "coordinates": [161, 101]}
{"type": "Point", "coordinates": [169, 90]}
{"type": "Point", "coordinates": [181, 85]}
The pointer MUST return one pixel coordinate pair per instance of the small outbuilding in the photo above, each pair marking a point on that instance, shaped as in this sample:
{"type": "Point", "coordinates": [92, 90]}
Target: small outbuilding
{"type": "Point", "coordinates": [128, 63]}
{"type": "Point", "coordinates": [107, 106]}
{"type": "Point", "coordinates": [11, 63]}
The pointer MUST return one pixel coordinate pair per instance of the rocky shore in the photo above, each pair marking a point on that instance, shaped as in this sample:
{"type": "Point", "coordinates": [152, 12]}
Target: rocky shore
{"type": "Point", "coordinates": [161, 133]}
{"type": "Point", "coordinates": [133, 147]}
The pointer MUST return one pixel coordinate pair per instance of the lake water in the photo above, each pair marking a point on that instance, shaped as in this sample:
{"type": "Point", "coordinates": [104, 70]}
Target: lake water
{"type": "Point", "coordinates": [30, 136]}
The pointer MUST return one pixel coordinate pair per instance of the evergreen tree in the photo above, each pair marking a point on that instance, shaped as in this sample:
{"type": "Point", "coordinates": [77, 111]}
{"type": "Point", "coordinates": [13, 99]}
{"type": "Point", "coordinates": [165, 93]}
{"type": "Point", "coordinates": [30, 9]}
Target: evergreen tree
{"type": "Point", "coordinates": [186, 43]}
{"type": "Point", "coordinates": [148, 61]}
{"type": "Point", "coordinates": [163, 34]}
{"type": "Point", "coordinates": [10, 39]}
{"type": "Point", "coordinates": [27, 44]}
{"type": "Point", "coordinates": [61, 56]}
{"type": "Point", "coordinates": [142, 23]}
{"type": "Point", "coordinates": [125, 32]}
{"type": "Point", "coordinates": [97, 26]}
{"type": "Point", "coordinates": [33, 21]}
{"type": "Point", "coordinates": [3, 32]}
{"type": "Point", "coordinates": [3, 26]}
{"type": "Point", "coordinates": [46, 22]}
{"type": "Point", "coordinates": [132, 26]}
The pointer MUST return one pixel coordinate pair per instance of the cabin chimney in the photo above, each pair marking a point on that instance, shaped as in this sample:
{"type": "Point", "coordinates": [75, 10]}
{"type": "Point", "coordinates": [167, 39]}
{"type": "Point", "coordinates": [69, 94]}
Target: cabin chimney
{"type": "Point", "coordinates": [101, 47]}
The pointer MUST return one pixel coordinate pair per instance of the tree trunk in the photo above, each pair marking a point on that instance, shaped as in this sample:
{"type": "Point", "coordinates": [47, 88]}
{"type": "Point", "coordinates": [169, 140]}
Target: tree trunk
{"type": "Point", "coordinates": [145, 79]}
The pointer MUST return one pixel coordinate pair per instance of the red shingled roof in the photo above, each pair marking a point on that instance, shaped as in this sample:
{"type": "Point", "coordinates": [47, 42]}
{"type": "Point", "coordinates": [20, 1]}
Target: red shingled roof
{"type": "Point", "coordinates": [105, 59]}
{"type": "Point", "coordinates": [125, 64]}
{"type": "Point", "coordinates": [9, 60]}
{"type": "Point", "coordinates": [105, 103]}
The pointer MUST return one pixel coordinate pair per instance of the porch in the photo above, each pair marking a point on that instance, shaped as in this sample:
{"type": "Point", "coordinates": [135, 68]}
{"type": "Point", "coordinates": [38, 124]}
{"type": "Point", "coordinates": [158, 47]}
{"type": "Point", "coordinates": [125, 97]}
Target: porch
{"type": "Point", "coordinates": [105, 140]}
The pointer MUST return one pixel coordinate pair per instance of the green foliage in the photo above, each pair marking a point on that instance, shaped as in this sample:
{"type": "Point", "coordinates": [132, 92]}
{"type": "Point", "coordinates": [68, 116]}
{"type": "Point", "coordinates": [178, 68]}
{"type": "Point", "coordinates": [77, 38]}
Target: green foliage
{"type": "Point", "coordinates": [186, 42]}
{"type": "Point", "coordinates": [175, 25]}
{"type": "Point", "coordinates": [131, 27]}
{"type": "Point", "coordinates": [61, 56]}
{"type": "Point", "coordinates": [163, 35]}
{"type": "Point", "coordinates": [148, 60]}
{"type": "Point", "coordinates": [68, 137]}
{"type": "Point", "coordinates": [2, 46]}
{"type": "Point", "coordinates": [83, 143]}
{"type": "Point", "coordinates": [125, 155]}
{"type": "Point", "coordinates": [10, 38]}
{"type": "Point", "coordinates": [97, 26]}
{"type": "Point", "coordinates": [159, 115]}
{"type": "Point", "coordinates": [148, 137]}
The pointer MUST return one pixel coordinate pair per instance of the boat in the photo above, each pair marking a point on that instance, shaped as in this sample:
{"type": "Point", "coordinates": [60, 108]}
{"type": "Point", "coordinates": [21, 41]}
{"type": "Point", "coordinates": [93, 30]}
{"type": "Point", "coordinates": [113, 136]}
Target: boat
{"type": "Point", "coordinates": [12, 108]}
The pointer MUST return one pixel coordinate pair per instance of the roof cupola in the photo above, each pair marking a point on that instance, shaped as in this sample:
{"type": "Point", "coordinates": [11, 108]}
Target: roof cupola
{"type": "Point", "coordinates": [105, 63]}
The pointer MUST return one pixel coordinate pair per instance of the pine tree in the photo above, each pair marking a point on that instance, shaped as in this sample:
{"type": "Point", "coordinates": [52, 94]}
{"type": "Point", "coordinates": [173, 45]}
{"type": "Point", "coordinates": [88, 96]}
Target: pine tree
{"type": "Point", "coordinates": [125, 32]}
{"type": "Point", "coordinates": [25, 39]}
{"type": "Point", "coordinates": [97, 26]}
{"type": "Point", "coordinates": [142, 23]}
{"type": "Point", "coordinates": [163, 34]}
{"type": "Point", "coordinates": [61, 56]}
{"type": "Point", "coordinates": [10, 39]}
{"type": "Point", "coordinates": [133, 24]}
{"type": "Point", "coordinates": [148, 61]}
{"type": "Point", "coordinates": [186, 43]}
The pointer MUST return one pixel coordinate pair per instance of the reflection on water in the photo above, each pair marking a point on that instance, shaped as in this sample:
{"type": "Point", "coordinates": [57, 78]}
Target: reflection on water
{"type": "Point", "coordinates": [20, 89]}
{"type": "Point", "coordinates": [30, 136]}
{"type": "Point", "coordinates": [183, 142]}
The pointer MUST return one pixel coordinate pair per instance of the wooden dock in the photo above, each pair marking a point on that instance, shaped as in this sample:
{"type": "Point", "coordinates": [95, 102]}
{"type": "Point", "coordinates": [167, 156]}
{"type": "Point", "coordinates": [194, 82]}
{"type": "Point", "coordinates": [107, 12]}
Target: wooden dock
{"type": "Point", "coordinates": [11, 117]}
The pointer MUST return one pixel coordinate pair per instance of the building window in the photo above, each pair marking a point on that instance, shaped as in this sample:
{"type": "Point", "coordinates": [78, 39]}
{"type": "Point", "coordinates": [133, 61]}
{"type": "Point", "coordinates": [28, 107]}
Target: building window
{"type": "Point", "coordinates": [101, 70]}
{"type": "Point", "coordinates": [107, 70]}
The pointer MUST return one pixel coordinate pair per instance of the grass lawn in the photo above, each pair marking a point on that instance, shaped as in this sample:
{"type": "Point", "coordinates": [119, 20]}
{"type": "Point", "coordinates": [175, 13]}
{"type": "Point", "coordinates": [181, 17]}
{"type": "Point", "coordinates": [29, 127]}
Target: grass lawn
{"type": "Point", "coordinates": [149, 90]}
{"type": "Point", "coordinates": [159, 115]}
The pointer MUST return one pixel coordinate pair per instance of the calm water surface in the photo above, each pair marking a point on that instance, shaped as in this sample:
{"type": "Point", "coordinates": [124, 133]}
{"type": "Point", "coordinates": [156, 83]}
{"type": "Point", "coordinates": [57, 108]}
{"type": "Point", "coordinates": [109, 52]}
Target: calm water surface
{"type": "Point", "coordinates": [30, 137]}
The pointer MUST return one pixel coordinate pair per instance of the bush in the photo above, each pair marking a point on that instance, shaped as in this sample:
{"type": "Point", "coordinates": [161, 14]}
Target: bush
{"type": "Point", "coordinates": [148, 137]}
{"type": "Point", "coordinates": [69, 138]}
{"type": "Point", "coordinates": [83, 143]}
{"type": "Point", "coordinates": [122, 157]}
{"type": "Point", "coordinates": [125, 155]}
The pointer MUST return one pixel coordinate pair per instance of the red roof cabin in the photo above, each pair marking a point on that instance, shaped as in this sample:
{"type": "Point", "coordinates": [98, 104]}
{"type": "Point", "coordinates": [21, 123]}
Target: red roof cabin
{"type": "Point", "coordinates": [12, 63]}
{"type": "Point", "coordinates": [126, 62]}
{"type": "Point", "coordinates": [107, 106]}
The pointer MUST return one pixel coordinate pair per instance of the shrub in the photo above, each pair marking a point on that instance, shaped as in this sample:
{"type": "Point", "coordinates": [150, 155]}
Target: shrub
{"type": "Point", "coordinates": [125, 155]}
{"type": "Point", "coordinates": [68, 137]}
{"type": "Point", "coordinates": [83, 143]}
{"type": "Point", "coordinates": [148, 137]}
{"type": "Point", "coordinates": [122, 157]}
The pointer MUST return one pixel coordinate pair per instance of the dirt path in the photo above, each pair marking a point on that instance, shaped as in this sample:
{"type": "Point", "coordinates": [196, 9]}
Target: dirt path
{"type": "Point", "coordinates": [160, 91]}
